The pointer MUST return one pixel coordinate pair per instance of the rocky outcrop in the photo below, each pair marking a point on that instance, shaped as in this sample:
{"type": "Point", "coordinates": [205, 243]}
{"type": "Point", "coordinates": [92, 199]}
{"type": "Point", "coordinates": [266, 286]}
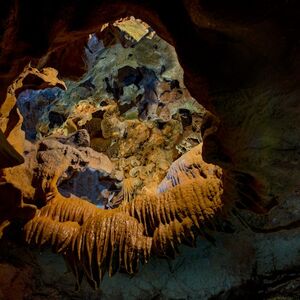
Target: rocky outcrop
{"type": "Point", "coordinates": [9, 156]}
{"type": "Point", "coordinates": [23, 187]}
{"type": "Point", "coordinates": [94, 240]}
{"type": "Point", "coordinates": [10, 117]}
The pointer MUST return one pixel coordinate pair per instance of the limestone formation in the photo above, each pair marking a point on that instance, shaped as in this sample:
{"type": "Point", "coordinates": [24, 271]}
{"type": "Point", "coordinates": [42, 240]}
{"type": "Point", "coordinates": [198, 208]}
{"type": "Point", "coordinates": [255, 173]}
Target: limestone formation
{"type": "Point", "coordinates": [133, 105]}
{"type": "Point", "coordinates": [240, 60]}
{"type": "Point", "coordinates": [138, 111]}
{"type": "Point", "coordinates": [10, 118]}
{"type": "Point", "coordinates": [94, 240]}
{"type": "Point", "coordinates": [9, 156]}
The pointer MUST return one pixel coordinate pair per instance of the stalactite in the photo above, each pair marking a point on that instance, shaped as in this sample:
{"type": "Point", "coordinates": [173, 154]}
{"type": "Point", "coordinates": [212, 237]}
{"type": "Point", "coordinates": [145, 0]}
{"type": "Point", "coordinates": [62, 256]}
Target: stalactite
{"type": "Point", "coordinates": [95, 241]}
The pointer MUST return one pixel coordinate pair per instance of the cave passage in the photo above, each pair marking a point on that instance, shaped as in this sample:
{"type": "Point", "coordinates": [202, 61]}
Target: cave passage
{"type": "Point", "coordinates": [134, 108]}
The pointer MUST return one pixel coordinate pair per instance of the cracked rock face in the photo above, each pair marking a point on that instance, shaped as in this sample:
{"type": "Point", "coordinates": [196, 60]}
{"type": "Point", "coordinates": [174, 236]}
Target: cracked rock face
{"type": "Point", "coordinates": [241, 62]}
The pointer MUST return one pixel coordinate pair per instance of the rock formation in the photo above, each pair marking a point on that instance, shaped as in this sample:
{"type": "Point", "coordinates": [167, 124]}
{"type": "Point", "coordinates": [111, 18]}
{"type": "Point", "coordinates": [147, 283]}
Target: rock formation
{"type": "Point", "coordinates": [118, 129]}
{"type": "Point", "coordinates": [94, 240]}
{"type": "Point", "coordinates": [240, 61]}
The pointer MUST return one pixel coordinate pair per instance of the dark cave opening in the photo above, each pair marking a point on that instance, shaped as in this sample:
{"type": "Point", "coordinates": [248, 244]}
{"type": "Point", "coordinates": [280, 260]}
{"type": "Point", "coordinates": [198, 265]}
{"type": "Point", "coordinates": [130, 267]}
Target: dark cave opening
{"type": "Point", "coordinates": [32, 105]}
{"type": "Point", "coordinates": [91, 185]}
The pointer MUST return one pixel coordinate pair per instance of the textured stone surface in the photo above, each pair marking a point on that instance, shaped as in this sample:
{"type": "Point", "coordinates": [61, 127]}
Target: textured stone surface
{"type": "Point", "coordinates": [263, 265]}
{"type": "Point", "coordinates": [32, 104]}
{"type": "Point", "coordinates": [133, 104]}
{"type": "Point", "coordinates": [10, 117]}
{"type": "Point", "coordinates": [63, 155]}
{"type": "Point", "coordinates": [9, 156]}
{"type": "Point", "coordinates": [247, 53]}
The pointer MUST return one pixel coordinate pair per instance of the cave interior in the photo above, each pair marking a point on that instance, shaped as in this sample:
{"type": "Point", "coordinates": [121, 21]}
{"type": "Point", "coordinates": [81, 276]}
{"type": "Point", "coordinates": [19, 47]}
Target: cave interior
{"type": "Point", "coordinates": [153, 143]}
